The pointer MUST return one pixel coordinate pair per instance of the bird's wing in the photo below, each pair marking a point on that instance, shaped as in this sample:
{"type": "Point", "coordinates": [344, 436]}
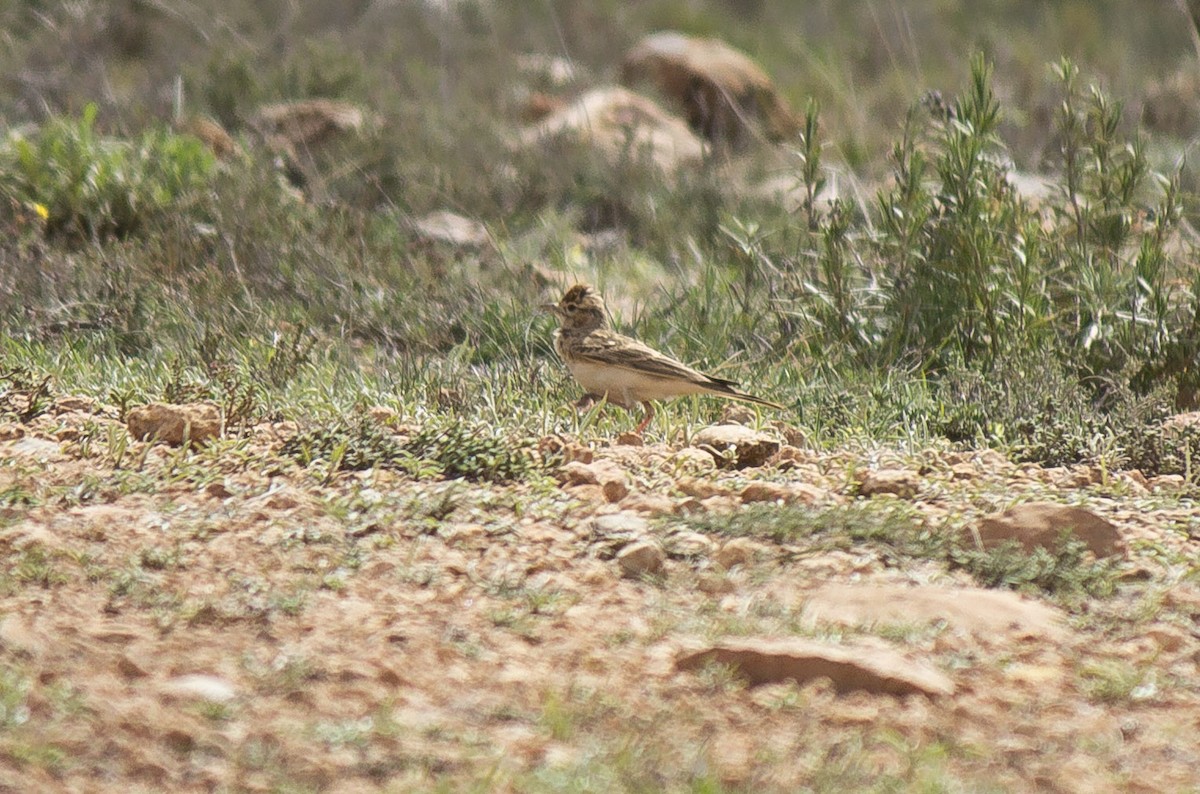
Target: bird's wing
{"type": "Point", "coordinates": [620, 351]}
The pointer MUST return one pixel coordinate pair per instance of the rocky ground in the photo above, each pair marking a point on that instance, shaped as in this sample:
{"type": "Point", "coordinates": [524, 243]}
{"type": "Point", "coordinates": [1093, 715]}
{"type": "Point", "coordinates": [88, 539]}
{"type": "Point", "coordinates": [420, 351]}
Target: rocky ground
{"type": "Point", "coordinates": [638, 618]}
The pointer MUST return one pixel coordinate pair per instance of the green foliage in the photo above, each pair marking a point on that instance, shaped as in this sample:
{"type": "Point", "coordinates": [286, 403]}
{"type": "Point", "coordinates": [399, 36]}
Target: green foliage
{"type": "Point", "coordinates": [472, 450]}
{"type": "Point", "coordinates": [1040, 409]}
{"type": "Point", "coordinates": [895, 528]}
{"type": "Point", "coordinates": [897, 532]}
{"type": "Point", "coordinates": [24, 393]}
{"type": "Point", "coordinates": [1069, 570]}
{"type": "Point", "coordinates": [88, 186]}
{"type": "Point", "coordinates": [450, 447]}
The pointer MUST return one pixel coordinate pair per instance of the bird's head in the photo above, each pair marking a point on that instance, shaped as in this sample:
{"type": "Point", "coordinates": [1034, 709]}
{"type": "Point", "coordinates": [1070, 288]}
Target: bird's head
{"type": "Point", "coordinates": [581, 308]}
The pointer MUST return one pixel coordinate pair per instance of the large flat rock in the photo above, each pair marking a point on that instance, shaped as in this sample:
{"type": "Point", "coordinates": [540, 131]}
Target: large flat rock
{"type": "Point", "coordinates": [970, 609]}
{"type": "Point", "coordinates": [850, 668]}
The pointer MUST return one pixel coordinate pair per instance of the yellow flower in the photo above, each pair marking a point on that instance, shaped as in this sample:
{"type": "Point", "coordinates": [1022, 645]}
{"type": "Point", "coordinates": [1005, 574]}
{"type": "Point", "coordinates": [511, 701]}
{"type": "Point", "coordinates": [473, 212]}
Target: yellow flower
{"type": "Point", "coordinates": [41, 210]}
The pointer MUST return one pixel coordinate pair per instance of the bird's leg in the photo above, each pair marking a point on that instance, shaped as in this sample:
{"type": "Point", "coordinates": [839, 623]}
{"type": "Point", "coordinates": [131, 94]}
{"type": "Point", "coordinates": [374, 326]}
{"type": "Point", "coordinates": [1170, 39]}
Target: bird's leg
{"type": "Point", "coordinates": [649, 416]}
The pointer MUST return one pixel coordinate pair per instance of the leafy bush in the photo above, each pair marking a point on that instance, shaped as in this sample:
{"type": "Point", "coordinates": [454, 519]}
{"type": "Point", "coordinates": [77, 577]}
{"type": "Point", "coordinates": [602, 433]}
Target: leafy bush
{"type": "Point", "coordinates": [449, 447]}
{"type": "Point", "coordinates": [1067, 571]}
{"type": "Point", "coordinates": [87, 186]}
{"type": "Point", "coordinates": [1041, 409]}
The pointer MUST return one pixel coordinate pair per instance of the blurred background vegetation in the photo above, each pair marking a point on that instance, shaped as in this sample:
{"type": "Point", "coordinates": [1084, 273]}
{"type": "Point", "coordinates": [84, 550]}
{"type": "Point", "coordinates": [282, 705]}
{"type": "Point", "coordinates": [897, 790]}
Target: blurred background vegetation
{"type": "Point", "coordinates": [922, 290]}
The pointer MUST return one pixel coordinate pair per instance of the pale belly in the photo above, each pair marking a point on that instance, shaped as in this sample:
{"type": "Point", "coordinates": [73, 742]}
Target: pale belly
{"type": "Point", "coordinates": [626, 387]}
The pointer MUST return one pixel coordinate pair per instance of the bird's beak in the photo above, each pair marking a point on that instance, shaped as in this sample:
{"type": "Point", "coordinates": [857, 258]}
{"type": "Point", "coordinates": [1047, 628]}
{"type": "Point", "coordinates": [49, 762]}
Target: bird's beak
{"type": "Point", "coordinates": [548, 307]}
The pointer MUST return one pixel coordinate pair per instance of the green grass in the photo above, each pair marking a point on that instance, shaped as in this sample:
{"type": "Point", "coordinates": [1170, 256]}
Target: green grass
{"type": "Point", "coordinates": [899, 534]}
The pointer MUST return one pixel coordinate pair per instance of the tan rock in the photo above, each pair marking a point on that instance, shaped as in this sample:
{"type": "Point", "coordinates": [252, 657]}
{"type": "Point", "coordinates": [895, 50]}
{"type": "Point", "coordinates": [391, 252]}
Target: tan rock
{"type": "Point", "coordinates": [897, 482]}
{"type": "Point", "coordinates": [1041, 524]}
{"type": "Point", "coordinates": [789, 493]}
{"type": "Point", "coordinates": [725, 94]}
{"type": "Point", "coordinates": [737, 551]}
{"type": "Point", "coordinates": [701, 489]}
{"type": "Point", "coordinates": [689, 461]}
{"type": "Point", "coordinates": [649, 503]}
{"type": "Point", "coordinates": [611, 479]}
{"type": "Point", "coordinates": [986, 613]}
{"type": "Point", "coordinates": [735, 445]}
{"type": "Point", "coordinates": [643, 558]}
{"type": "Point", "coordinates": [74, 404]}
{"type": "Point", "coordinates": [1168, 638]}
{"type": "Point", "coordinates": [714, 583]}
{"type": "Point", "coordinates": [850, 668]}
{"type": "Point", "coordinates": [565, 448]}
{"type": "Point", "coordinates": [17, 637]}
{"type": "Point", "coordinates": [963, 471]}
{"type": "Point", "coordinates": [447, 227]}
{"type": "Point", "coordinates": [616, 121]}
{"type": "Point", "coordinates": [175, 424]}
{"type": "Point", "coordinates": [791, 457]}
{"type": "Point", "coordinates": [200, 687]}
{"type": "Point", "coordinates": [689, 544]}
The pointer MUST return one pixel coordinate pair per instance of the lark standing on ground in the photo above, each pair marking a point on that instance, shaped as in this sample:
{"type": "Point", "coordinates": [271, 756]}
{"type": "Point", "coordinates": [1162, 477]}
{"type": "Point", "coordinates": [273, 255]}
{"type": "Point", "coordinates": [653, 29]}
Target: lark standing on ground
{"type": "Point", "coordinates": [623, 370]}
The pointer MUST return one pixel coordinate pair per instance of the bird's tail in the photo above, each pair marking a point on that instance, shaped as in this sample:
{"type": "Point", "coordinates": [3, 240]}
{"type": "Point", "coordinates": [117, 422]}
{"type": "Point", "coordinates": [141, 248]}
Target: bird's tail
{"type": "Point", "coordinates": [728, 388]}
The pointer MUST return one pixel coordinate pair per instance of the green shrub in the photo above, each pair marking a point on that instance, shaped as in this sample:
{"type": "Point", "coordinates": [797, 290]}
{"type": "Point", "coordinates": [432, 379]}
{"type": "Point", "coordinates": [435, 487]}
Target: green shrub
{"type": "Point", "coordinates": [1067, 571]}
{"type": "Point", "coordinates": [88, 186]}
{"type": "Point", "coordinates": [449, 447]}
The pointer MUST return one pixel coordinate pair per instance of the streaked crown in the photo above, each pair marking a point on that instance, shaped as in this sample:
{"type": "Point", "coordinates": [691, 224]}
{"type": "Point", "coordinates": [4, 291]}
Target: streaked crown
{"type": "Point", "coordinates": [582, 308]}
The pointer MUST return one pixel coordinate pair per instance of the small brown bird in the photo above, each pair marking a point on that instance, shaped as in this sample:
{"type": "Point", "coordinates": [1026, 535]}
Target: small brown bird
{"type": "Point", "coordinates": [623, 370]}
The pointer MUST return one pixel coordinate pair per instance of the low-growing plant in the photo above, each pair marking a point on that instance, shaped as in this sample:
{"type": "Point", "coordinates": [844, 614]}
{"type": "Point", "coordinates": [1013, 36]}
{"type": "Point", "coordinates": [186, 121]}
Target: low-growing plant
{"type": "Point", "coordinates": [447, 446]}
{"type": "Point", "coordinates": [1066, 571]}
{"type": "Point", "coordinates": [89, 186]}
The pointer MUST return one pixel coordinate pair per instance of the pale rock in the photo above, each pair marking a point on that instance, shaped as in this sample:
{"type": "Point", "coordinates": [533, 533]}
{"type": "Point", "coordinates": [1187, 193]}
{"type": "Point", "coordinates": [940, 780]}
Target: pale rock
{"type": "Point", "coordinates": [736, 445]}
{"type": "Point", "coordinates": [130, 666]}
{"type": "Point", "coordinates": [1167, 482]}
{"type": "Point", "coordinates": [619, 524]}
{"type": "Point", "coordinates": [611, 479]}
{"type": "Point", "coordinates": [1168, 638]}
{"type": "Point", "coordinates": [727, 96]}
{"type": "Point", "coordinates": [737, 551]}
{"type": "Point", "coordinates": [963, 471]}
{"type": "Point", "coordinates": [690, 462]}
{"type": "Point", "coordinates": [902, 483]}
{"type": "Point", "coordinates": [173, 424]}
{"type": "Point", "coordinates": [737, 414]}
{"type": "Point", "coordinates": [17, 637]}
{"type": "Point", "coordinates": [850, 668]}
{"type": "Point", "coordinates": [451, 228]}
{"type": "Point", "coordinates": [211, 688]}
{"type": "Point", "coordinates": [641, 558]}
{"type": "Point", "coordinates": [790, 457]}
{"type": "Point", "coordinates": [615, 121]}
{"type": "Point", "coordinates": [588, 494]}
{"type": "Point", "coordinates": [790, 493]}
{"type": "Point", "coordinates": [700, 489]}
{"type": "Point", "coordinates": [1040, 524]}
{"type": "Point", "coordinates": [985, 613]}
{"type": "Point", "coordinates": [74, 404]}
{"type": "Point", "coordinates": [1036, 676]}
{"type": "Point", "coordinates": [714, 583]}
{"type": "Point", "coordinates": [649, 503]}
{"type": "Point", "coordinates": [689, 545]}
{"type": "Point", "coordinates": [34, 447]}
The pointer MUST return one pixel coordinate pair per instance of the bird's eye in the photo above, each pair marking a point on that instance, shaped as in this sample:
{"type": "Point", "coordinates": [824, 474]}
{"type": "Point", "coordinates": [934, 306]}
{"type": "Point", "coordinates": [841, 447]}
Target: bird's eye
{"type": "Point", "coordinates": [571, 307]}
